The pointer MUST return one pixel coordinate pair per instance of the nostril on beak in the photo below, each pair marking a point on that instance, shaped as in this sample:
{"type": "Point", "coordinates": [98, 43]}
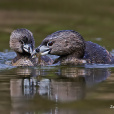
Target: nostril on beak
{"type": "Point", "coordinates": [37, 50]}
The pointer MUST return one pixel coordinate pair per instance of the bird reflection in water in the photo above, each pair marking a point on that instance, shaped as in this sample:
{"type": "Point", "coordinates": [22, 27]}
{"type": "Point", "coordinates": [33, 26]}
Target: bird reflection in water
{"type": "Point", "coordinates": [69, 84]}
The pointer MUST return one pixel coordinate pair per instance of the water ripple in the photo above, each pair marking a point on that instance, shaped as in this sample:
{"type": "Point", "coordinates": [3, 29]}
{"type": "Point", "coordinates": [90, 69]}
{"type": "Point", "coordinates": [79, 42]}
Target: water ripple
{"type": "Point", "coordinates": [99, 65]}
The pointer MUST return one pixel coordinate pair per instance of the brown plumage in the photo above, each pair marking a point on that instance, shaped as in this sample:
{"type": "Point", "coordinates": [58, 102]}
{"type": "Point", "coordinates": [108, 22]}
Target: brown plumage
{"type": "Point", "coordinates": [22, 42]}
{"type": "Point", "coordinates": [73, 49]}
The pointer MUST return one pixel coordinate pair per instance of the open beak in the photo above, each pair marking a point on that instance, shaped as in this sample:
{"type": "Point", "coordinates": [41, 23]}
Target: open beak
{"type": "Point", "coordinates": [27, 48]}
{"type": "Point", "coordinates": [43, 50]}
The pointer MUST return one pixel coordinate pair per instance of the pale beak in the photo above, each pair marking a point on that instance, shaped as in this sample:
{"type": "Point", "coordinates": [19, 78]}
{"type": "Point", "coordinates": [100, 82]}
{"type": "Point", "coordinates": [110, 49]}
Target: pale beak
{"type": "Point", "coordinates": [27, 48]}
{"type": "Point", "coordinates": [43, 50]}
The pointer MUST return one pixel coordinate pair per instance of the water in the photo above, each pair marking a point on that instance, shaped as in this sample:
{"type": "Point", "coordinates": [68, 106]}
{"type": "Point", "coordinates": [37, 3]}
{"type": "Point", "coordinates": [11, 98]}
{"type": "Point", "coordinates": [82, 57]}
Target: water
{"type": "Point", "coordinates": [55, 89]}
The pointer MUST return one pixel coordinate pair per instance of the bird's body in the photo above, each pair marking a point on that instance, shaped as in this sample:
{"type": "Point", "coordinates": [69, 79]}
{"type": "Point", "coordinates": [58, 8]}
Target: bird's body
{"type": "Point", "coordinates": [95, 53]}
{"type": "Point", "coordinates": [73, 49]}
{"type": "Point", "coordinates": [22, 42]}
{"type": "Point", "coordinates": [29, 61]}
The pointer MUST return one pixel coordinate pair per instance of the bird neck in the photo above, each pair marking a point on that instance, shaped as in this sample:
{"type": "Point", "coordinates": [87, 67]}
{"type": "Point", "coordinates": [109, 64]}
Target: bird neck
{"type": "Point", "coordinates": [23, 55]}
{"type": "Point", "coordinates": [77, 54]}
{"type": "Point", "coordinates": [73, 59]}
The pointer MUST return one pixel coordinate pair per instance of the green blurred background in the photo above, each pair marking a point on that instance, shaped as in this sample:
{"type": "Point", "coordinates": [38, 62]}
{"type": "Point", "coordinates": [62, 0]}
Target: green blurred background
{"type": "Point", "coordinates": [92, 18]}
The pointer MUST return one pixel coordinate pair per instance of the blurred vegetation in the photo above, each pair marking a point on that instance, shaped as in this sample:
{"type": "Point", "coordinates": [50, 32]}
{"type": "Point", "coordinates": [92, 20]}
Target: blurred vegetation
{"type": "Point", "coordinates": [92, 18]}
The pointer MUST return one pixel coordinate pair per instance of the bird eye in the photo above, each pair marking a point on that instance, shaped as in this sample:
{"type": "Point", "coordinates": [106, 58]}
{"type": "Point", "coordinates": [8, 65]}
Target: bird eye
{"type": "Point", "coordinates": [50, 43]}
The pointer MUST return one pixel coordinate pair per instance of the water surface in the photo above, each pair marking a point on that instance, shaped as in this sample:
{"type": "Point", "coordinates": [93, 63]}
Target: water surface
{"type": "Point", "coordinates": [55, 89]}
